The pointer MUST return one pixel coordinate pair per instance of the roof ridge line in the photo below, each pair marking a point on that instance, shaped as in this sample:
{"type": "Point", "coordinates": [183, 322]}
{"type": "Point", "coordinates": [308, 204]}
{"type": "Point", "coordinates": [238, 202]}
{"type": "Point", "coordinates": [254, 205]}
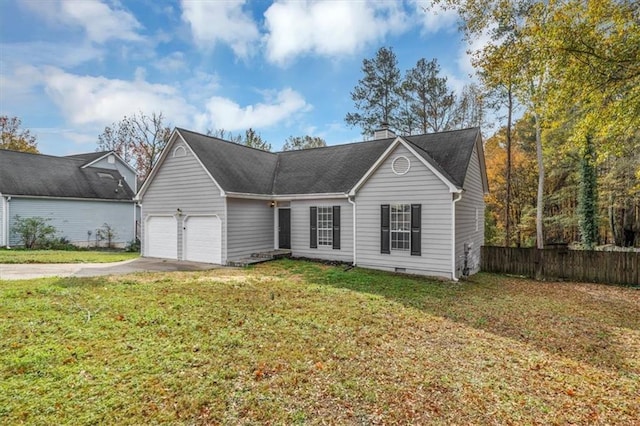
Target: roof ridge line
{"type": "Point", "coordinates": [38, 154]}
{"type": "Point", "coordinates": [225, 141]}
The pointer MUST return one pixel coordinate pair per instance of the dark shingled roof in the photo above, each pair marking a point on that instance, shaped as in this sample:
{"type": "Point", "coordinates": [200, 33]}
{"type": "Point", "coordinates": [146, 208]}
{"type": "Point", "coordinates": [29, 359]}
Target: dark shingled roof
{"type": "Point", "coordinates": [450, 151]}
{"type": "Point", "coordinates": [48, 176]}
{"type": "Point", "coordinates": [332, 169]}
{"type": "Point", "coordinates": [237, 168]}
{"type": "Point", "coordinates": [89, 156]}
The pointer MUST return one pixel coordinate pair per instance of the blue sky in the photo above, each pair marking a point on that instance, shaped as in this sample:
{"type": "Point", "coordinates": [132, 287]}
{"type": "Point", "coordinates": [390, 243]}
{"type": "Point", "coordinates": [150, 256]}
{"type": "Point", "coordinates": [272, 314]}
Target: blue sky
{"type": "Point", "coordinates": [284, 68]}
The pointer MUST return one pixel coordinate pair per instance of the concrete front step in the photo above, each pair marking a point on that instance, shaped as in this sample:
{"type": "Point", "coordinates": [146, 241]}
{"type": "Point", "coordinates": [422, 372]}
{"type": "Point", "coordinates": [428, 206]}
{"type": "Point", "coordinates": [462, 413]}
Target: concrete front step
{"type": "Point", "coordinates": [260, 257]}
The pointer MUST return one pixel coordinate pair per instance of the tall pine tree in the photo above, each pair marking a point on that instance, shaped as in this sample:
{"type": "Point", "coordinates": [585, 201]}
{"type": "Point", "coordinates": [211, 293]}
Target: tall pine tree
{"type": "Point", "coordinates": [377, 95]}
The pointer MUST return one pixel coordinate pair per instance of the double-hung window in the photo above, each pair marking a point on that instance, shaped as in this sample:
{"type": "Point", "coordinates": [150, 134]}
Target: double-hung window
{"type": "Point", "coordinates": [400, 227]}
{"type": "Point", "coordinates": [324, 227]}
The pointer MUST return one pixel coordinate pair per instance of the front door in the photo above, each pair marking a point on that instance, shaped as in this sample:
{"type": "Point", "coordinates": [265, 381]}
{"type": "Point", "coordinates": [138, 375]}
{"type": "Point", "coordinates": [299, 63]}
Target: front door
{"type": "Point", "coordinates": [284, 228]}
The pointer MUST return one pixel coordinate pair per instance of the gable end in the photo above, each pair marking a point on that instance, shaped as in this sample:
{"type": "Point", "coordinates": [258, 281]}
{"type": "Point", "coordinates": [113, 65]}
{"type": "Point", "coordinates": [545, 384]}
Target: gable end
{"type": "Point", "coordinates": [400, 141]}
{"type": "Point", "coordinates": [175, 138]}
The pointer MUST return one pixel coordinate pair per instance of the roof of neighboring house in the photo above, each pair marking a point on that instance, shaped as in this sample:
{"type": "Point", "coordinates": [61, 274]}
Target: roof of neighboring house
{"type": "Point", "coordinates": [48, 176]}
{"type": "Point", "coordinates": [89, 156]}
{"type": "Point", "coordinates": [332, 169]}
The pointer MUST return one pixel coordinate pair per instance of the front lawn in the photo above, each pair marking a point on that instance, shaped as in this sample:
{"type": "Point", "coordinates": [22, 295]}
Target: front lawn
{"type": "Point", "coordinates": [292, 342]}
{"type": "Point", "coordinates": [63, 256]}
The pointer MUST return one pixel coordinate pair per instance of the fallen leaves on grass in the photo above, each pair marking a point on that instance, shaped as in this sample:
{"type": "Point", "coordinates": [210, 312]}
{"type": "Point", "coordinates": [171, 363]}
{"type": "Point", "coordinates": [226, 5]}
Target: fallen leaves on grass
{"type": "Point", "coordinates": [296, 342]}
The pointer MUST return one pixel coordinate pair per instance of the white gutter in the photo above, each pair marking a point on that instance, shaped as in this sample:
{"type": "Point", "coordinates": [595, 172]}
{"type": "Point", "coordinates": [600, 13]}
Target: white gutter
{"type": "Point", "coordinates": [352, 202]}
{"type": "Point", "coordinates": [453, 236]}
{"type": "Point", "coordinates": [47, 197]}
{"type": "Point", "coordinates": [285, 197]}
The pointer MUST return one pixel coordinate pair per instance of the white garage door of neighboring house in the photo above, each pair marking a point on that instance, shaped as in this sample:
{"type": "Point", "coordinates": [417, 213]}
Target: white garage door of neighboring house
{"type": "Point", "coordinates": [162, 237]}
{"type": "Point", "coordinates": [203, 239]}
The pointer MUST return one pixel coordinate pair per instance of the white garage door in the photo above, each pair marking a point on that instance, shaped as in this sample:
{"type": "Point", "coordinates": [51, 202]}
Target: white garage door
{"type": "Point", "coordinates": [162, 237]}
{"type": "Point", "coordinates": [203, 239]}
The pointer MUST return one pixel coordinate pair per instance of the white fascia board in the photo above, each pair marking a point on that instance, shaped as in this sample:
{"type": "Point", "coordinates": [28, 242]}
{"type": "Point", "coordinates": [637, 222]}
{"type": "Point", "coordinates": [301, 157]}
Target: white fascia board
{"type": "Point", "coordinates": [286, 197]}
{"type": "Point", "coordinates": [483, 166]}
{"type": "Point", "coordinates": [328, 195]}
{"type": "Point", "coordinates": [249, 196]}
{"type": "Point", "coordinates": [399, 141]}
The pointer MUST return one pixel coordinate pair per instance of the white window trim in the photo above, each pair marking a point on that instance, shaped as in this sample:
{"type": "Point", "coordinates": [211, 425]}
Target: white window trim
{"type": "Point", "coordinates": [402, 231]}
{"type": "Point", "coordinates": [327, 240]}
{"type": "Point", "coordinates": [395, 160]}
{"type": "Point", "coordinates": [180, 151]}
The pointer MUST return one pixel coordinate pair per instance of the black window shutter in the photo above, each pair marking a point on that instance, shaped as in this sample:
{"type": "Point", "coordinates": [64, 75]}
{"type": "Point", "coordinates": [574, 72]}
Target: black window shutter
{"type": "Point", "coordinates": [313, 236]}
{"type": "Point", "coordinates": [336, 227]}
{"type": "Point", "coordinates": [416, 231]}
{"type": "Point", "coordinates": [384, 229]}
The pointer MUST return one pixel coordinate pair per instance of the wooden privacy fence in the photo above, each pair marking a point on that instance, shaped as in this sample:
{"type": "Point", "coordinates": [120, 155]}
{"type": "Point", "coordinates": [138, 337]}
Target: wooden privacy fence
{"type": "Point", "coordinates": [611, 267]}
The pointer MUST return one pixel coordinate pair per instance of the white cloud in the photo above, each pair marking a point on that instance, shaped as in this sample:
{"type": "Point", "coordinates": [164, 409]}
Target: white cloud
{"type": "Point", "coordinates": [171, 63]}
{"type": "Point", "coordinates": [224, 113]}
{"type": "Point", "coordinates": [100, 22]}
{"type": "Point", "coordinates": [466, 53]}
{"type": "Point", "coordinates": [328, 28]}
{"type": "Point", "coordinates": [50, 53]}
{"type": "Point", "coordinates": [20, 85]}
{"type": "Point", "coordinates": [434, 18]}
{"type": "Point", "coordinates": [88, 100]}
{"type": "Point", "coordinates": [221, 21]}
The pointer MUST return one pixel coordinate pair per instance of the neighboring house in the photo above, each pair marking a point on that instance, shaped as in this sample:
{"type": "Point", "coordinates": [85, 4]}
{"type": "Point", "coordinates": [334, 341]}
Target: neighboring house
{"type": "Point", "coordinates": [78, 194]}
{"type": "Point", "coordinates": [412, 204]}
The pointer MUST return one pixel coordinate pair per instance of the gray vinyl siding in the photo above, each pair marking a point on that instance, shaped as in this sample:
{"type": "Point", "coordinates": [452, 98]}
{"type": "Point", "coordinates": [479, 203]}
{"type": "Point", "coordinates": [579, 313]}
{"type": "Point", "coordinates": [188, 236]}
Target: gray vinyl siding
{"type": "Point", "coordinates": [126, 172]}
{"type": "Point", "coordinates": [74, 218]}
{"type": "Point", "coordinates": [250, 227]}
{"type": "Point", "coordinates": [300, 230]}
{"type": "Point", "coordinates": [472, 199]}
{"type": "Point", "coordinates": [418, 186]}
{"type": "Point", "coordinates": [182, 183]}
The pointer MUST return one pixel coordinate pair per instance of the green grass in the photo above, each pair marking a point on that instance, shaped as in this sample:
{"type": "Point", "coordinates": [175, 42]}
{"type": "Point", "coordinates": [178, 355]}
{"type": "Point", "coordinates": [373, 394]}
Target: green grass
{"type": "Point", "coordinates": [293, 342]}
{"type": "Point", "coordinates": [63, 256]}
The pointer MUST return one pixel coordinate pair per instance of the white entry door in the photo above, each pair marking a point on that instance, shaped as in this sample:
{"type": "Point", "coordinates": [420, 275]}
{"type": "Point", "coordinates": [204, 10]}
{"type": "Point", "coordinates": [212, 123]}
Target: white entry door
{"type": "Point", "coordinates": [161, 237]}
{"type": "Point", "coordinates": [203, 239]}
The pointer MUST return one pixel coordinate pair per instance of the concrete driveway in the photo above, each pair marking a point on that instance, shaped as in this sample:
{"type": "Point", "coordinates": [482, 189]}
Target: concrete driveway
{"type": "Point", "coordinates": [142, 264]}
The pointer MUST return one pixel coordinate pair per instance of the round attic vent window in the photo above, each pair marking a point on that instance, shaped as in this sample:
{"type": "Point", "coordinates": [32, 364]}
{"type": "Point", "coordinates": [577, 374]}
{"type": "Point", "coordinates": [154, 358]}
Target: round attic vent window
{"type": "Point", "coordinates": [400, 165]}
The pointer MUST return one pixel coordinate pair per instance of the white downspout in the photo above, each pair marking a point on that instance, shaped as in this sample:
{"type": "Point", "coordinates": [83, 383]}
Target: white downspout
{"type": "Point", "coordinates": [4, 218]}
{"type": "Point", "coordinates": [276, 225]}
{"type": "Point", "coordinates": [453, 236]}
{"type": "Point", "coordinates": [7, 236]}
{"type": "Point", "coordinates": [353, 203]}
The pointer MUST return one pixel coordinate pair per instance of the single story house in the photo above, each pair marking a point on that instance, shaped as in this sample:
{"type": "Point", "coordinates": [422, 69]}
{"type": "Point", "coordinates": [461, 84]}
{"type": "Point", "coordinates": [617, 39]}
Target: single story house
{"type": "Point", "coordinates": [411, 204]}
{"type": "Point", "coordinates": [78, 194]}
